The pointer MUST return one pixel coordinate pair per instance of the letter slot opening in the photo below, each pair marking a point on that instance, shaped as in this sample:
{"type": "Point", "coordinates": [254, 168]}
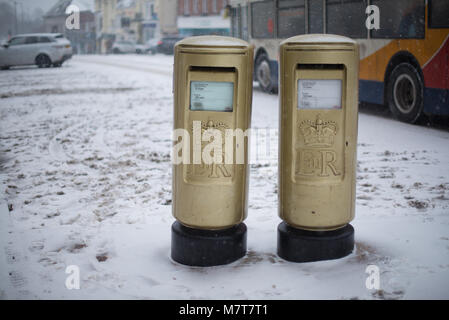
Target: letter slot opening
{"type": "Point", "coordinates": [320, 86]}
{"type": "Point", "coordinates": [212, 89]}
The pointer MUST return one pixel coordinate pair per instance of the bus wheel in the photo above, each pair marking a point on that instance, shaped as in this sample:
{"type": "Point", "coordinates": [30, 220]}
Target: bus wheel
{"type": "Point", "coordinates": [405, 91]}
{"type": "Point", "coordinates": [263, 73]}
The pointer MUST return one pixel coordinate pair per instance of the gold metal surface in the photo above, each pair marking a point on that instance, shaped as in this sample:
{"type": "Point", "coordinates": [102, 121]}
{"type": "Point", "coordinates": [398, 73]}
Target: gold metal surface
{"type": "Point", "coordinates": [212, 196]}
{"type": "Point", "coordinates": [317, 147]}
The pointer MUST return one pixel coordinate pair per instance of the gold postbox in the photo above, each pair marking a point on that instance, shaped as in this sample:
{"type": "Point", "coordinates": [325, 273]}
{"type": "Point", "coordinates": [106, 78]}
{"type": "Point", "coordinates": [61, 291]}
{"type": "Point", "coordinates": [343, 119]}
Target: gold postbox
{"type": "Point", "coordinates": [212, 90]}
{"type": "Point", "coordinates": [318, 137]}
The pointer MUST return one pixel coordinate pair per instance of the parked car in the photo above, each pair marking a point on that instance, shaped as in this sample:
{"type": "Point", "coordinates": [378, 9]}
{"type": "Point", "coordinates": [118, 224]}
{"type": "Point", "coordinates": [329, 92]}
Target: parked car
{"type": "Point", "coordinates": [151, 45]}
{"type": "Point", "coordinates": [167, 44]}
{"type": "Point", "coordinates": [40, 49]}
{"type": "Point", "coordinates": [68, 51]}
{"type": "Point", "coordinates": [140, 48]}
{"type": "Point", "coordinates": [121, 46]}
{"type": "Point", "coordinates": [125, 46]}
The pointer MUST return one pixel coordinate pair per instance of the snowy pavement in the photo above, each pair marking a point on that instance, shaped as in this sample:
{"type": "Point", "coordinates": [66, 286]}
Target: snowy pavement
{"type": "Point", "coordinates": [85, 178]}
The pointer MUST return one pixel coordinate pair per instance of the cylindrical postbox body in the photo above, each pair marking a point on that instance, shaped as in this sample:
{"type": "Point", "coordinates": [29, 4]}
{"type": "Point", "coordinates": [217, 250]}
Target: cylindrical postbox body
{"type": "Point", "coordinates": [209, 69]}
{"type": "Point", "coordinates": [212, 93]}
{"type": "Point", "coordinates": [318, 131]}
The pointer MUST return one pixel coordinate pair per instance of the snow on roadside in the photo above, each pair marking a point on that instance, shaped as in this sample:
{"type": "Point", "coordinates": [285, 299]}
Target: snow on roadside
{"type": "Point", "coordinates": [85, 169]}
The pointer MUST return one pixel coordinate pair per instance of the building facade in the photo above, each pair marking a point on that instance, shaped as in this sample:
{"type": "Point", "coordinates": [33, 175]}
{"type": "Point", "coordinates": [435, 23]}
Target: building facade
{"type": "Point", "coordinates": [201, 17]}
{"type": "Point", "coordinates": [82, 39]}
{"type": "Point", "coordinates": [133, 20]}
{"type": "Point", "coordinates": [168, 11]}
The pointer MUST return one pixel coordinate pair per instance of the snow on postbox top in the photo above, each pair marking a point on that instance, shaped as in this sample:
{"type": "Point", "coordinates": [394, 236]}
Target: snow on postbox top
{"type": "Point", "coordinates": [212, 42]}
{"type": "Point", "coordinates": [316, 39]}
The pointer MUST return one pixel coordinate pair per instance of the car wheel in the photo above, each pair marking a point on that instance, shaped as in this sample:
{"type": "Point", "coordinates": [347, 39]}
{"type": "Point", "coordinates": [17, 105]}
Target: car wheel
{"type": "Point", "coordinates": [153, 52]}
{"type": "Point", "coordinates": [43, 61]}
{"type": "Point", "coordinates": [138, 51]}
{"type": "Point", "coordinates": [263, 73]}
{"type": "Point", "coordinates": [405, 91]}
{"type": "Point", "coordinates": [116, 50]}
{"type": "Point", "coordinates": [4, 68]}
{"type": "Point", "coordinates": [57, 65]}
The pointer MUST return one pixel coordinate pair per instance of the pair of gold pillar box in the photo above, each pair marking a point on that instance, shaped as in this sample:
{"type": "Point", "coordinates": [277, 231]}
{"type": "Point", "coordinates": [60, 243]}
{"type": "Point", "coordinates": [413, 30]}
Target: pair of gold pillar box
{"type": "Point", "coordinates": [318, 116]}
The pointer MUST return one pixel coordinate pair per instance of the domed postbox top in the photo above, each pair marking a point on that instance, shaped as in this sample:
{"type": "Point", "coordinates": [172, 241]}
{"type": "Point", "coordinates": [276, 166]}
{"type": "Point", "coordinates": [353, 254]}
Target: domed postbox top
{"type": "Point", "coordinates": [318, 38]}
{"type": "Point", "coordinates": [213, 41]}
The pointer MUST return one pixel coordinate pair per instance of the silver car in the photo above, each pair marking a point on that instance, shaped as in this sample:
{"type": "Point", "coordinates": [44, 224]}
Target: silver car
{"type": "Point", "coordinates": [124, 46]}
{"type": "Point", "coordinates": [68, 51]}
{"type": "Point", "coordinates": [40, 49]}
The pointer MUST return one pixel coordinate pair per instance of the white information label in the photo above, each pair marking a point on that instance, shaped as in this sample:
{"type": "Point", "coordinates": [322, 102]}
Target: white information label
{"type": "Point", "coordinates": [319, 94]}
{"type": "Point", "coordinates": [211, 96]}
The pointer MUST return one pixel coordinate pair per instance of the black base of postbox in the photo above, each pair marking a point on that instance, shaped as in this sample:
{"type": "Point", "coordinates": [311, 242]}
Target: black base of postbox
{"type": "Point", "coordinates": [206, 248]}
{"type": "Point", "coordinates": [298, 245]}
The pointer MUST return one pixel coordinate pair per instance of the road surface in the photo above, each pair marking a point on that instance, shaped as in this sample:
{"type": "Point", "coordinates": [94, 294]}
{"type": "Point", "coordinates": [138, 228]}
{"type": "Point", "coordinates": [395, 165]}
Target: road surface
{"type": "Point", "coordinates": [86, 182]}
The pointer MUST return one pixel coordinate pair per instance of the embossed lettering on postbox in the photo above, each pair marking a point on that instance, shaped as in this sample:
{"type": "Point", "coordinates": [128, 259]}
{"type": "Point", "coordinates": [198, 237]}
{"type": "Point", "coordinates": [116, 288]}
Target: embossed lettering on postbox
{"type": "Point", "coordinates": [316, 154]}
{"type": "Point", "coordinates": [214, 171]}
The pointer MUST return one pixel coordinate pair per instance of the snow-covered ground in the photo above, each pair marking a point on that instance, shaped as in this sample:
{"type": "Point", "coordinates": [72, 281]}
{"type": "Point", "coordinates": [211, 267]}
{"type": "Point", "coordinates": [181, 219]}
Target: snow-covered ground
{"type": "Point", "coordinates": [85, 171]}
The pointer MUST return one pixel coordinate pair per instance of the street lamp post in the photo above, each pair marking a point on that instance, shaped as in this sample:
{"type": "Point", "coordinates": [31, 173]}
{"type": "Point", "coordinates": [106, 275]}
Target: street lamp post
{"type": "Point", "coordinates": [15, 17]}
{"type": "Point", "coordinates": [16, 25]}
{"type": "Point", "coordinates": [22, 22]}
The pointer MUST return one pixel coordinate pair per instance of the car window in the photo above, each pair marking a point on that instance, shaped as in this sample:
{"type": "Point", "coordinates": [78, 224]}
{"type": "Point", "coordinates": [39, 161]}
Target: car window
{"type": "Point", "coordinates": [44, 40]}
{"type": "Point", "coordinates": [31, 40]}
{"type": "Point", "coordinates": [17, 41]}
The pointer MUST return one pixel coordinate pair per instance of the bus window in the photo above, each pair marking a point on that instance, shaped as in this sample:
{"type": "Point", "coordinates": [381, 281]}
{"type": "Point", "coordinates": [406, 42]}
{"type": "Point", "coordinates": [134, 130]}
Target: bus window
{"type": "Point", "coordinates": [400, 19]}
{"type": "Point", "coordinates": [239, 22]}
{"type": "Point", "coordinates": [244, 22]}
{"type": "Point", "coordinates": [315, 17]}
{"type": "Point", "coordinates": [439, 14]}
{"type": "Point", "coordinates": [262, 17]}
{"type": "Point", "coordinates": [236, 22]}
{"type": "Point", "coordinates": [291, 18]}
{"type": "Point", "coordinates": [347, 18]}
{"type": "Point", "coordinates": [233, 22]}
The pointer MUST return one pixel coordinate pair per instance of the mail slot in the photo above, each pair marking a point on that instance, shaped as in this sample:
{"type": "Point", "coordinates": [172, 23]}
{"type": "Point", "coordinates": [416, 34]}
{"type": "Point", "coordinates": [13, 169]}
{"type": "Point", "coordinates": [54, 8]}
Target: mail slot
{"type": "Point", "coordinates": [212, 113]}
{"type": "Point", "coordinates": [318, 142]}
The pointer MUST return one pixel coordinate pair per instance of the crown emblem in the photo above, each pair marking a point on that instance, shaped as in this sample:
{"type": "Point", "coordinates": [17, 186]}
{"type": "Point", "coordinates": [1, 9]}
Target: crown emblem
{"type": "Point", "coordinates": [211, 124]}
{"type": "Point", "coordinates": [318, 133]}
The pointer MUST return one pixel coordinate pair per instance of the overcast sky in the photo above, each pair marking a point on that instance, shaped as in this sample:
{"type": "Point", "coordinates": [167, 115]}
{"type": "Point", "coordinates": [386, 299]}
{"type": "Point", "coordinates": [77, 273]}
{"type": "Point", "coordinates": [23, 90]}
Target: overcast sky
{"type": "Point", "coordinates": [30, 5]}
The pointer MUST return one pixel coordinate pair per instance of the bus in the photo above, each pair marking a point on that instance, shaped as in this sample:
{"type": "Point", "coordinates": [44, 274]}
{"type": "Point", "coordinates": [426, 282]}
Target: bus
{"type": "Point", "coordinates": [403, 64]}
